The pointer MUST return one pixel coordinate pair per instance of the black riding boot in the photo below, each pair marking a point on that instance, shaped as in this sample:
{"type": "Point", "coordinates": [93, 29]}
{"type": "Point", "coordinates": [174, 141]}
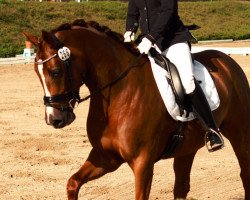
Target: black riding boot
{"type": "Point", "coordinates": [202, 109]}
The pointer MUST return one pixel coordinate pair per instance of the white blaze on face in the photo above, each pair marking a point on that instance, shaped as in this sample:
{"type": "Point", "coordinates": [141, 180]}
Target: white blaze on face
{"type": "Point", "coordinates": [49, 110]}
{"type": "Point", "coordinates": [40, 69]}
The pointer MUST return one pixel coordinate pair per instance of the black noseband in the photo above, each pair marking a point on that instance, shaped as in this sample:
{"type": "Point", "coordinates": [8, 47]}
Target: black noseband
{"type": "Point", "coordinates": [70, 98]}
{"type": "Point", "coordinates": [60, 98]}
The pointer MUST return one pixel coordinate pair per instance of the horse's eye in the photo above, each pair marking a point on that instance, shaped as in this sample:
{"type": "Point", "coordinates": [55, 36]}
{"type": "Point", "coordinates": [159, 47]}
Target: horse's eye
{"type": "Point", "coordinates": [55, 73]}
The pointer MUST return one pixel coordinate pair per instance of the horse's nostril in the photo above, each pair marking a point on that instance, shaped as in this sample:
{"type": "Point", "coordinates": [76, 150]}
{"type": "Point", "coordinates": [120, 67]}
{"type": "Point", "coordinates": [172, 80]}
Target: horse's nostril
{"type": "Point", "coordinates": [57, 123]}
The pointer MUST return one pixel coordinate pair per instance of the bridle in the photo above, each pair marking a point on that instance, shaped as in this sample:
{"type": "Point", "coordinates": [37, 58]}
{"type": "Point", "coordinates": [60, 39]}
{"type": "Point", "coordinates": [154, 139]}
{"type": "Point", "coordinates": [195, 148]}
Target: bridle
{"type": "Point", "coordinates": [72, 96]}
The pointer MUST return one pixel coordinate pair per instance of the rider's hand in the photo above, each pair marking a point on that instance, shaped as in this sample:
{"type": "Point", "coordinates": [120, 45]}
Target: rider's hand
{"type": "Point", "coordinates": [145, 45]}
{"type": "Point", "coordinates": [129, 36]}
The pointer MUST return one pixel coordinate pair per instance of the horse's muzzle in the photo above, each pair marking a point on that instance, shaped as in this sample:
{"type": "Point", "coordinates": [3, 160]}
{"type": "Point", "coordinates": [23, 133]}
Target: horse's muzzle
{"type": "Point", "coordinates": [57, 118]}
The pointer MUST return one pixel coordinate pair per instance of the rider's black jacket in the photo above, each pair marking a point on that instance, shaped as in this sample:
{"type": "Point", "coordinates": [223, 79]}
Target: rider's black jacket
{"type": "Point", "coordinates": [158, 20]}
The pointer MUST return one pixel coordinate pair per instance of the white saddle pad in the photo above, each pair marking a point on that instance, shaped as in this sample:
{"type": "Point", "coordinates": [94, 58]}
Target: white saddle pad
{"type": "Point", "coordinates": [200, 73]}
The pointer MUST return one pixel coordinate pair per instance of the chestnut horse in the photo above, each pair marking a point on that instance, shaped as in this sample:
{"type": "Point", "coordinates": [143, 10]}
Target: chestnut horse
{"type": "Point", "coordinates": [127, 119]}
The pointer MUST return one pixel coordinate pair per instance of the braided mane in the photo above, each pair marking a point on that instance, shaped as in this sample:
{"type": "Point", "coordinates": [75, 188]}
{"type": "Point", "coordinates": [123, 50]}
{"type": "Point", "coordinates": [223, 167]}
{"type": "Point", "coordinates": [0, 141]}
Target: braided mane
{"type": "Point", "coordinates": [81, 23]}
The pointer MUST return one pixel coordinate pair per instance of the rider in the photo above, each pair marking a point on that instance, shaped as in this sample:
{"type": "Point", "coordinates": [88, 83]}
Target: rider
{"type": "Point", "coordinates": [161, 26]}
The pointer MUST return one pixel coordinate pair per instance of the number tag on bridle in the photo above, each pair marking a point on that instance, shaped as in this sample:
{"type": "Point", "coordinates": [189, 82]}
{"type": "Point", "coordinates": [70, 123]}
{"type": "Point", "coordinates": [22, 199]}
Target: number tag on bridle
{"type": "Point", "coordinates": [64, 53]}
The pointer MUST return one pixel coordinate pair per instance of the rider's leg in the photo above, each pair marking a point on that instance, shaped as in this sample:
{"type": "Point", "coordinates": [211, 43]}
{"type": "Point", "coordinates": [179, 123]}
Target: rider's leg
{"type": "Point", "coordinates": [179, 54]}
{"type": "Point", "coordinates": [202, 109]}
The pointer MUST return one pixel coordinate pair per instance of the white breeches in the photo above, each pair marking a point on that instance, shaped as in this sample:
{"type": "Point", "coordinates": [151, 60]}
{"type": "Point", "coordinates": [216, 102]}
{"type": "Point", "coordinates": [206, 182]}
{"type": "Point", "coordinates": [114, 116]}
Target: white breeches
{"type": "Point", "coordinates": [179, 54]}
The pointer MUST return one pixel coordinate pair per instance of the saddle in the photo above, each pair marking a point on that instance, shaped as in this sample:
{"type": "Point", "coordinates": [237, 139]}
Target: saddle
{"type": "Point", "coordinates": [173, 79]}
{"type": "Point", "coordinates": [177, 137]}
{"type": "Point", "coordinates": [176, 101]}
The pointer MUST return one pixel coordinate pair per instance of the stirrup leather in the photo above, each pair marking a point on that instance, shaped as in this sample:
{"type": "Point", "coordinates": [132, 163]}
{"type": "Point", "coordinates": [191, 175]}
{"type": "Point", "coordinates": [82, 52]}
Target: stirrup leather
{"type": "Point", "coordinates": [207, 141]}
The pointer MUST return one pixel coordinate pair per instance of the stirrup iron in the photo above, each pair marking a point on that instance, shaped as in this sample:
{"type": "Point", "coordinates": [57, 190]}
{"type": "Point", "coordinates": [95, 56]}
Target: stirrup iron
{"type": "Point", "coordinates": [207, 140]}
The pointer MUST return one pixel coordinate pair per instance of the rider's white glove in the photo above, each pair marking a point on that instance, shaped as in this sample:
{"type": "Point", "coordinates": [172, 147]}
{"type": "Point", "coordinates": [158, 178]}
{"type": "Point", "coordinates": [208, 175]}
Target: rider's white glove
{"type": "Point", "coordinates": [129, 36]}
{"type": "Point", "coordinates": [145, 45]}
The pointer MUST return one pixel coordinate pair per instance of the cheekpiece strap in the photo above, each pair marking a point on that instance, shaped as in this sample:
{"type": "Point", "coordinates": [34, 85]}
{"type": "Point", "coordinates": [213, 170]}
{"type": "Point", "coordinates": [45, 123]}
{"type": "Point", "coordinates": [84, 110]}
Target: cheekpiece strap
{"type": "Point", "coordinates": [63, 52]}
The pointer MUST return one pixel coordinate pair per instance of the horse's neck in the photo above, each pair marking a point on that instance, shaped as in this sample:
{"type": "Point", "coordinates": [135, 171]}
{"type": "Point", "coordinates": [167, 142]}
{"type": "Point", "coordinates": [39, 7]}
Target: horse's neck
{"type": "Point", "coordinates": [107, 63]}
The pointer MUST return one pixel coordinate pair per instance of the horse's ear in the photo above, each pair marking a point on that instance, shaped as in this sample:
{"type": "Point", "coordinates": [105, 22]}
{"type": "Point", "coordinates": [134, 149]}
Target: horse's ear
{"type": "Point", "coordinates": [33, 39]}
{"type": "Point", "coordinates": [47, 37]}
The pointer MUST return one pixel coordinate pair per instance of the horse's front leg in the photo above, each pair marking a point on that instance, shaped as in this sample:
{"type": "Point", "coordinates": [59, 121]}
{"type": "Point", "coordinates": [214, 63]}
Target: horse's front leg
{"type": "Point", "coordinates": [97, 165]}
{"type": "Point", "coordinates": [182, 169]}
{"type": "Point", "coordinates": [143, 172]}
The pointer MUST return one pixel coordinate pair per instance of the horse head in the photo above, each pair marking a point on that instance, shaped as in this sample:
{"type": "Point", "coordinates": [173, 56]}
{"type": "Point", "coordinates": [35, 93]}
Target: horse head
{"type": "Point", "coordinates": [59, 78]}
{"type": "Point", "coordinates": [68, 56]}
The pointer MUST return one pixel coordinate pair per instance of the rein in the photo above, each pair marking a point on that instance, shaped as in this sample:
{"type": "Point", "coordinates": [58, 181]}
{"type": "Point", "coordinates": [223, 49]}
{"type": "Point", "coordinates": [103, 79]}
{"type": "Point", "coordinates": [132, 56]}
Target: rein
{"type": "Point", "coordinates": [121, 76]}
{"type": "Point", "coordinates": [64, 55]}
